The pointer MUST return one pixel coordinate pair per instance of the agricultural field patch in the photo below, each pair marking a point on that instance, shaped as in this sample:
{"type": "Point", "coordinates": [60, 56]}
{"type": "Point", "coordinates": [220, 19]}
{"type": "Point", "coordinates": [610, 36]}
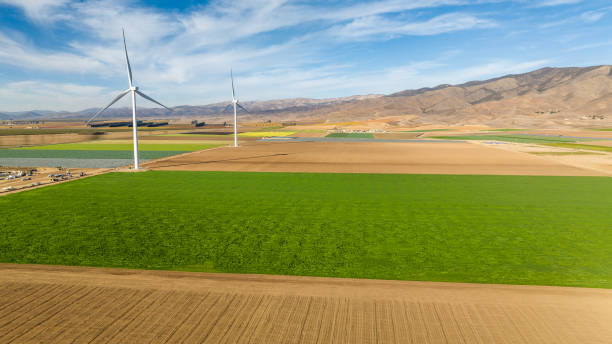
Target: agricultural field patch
{"type": "Point", "coordinates": [582, 146]}
{"type": "Point", "coordinates": [510, 138]}
{"type": "Point", "coordinates": [352, 135]}
{"type": "Point", "coordinates": [423, 130]}
{"type": "Point", "coordinates": [99, 153]}
{"type": "Point", "coordinates": [84, 154]}
{"type": "Point", "coordinates": [502, 129]}
{"type": "Point", "coordinates": [267, 133]}
{"type": "Point", "coordinates": [197, 135]}
{"type": "Point", "coordinates": [485, 229]}
{"type": "Point", "coordinates": [564, 153]}
{"type": "Point", "coordinates": [10, 132]}
{"type": "Point", "coordinates": [123, 147]}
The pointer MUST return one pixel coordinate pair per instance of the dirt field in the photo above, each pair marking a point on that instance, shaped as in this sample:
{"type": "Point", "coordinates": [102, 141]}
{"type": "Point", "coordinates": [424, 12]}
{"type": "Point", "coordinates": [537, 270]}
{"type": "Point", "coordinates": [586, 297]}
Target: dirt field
{"type": "Point", "coordinates": [596, 161]}
{"type": "Point", "coordinates": [370, 157]}
{"type": "Point", "coordinates": [47, 304]}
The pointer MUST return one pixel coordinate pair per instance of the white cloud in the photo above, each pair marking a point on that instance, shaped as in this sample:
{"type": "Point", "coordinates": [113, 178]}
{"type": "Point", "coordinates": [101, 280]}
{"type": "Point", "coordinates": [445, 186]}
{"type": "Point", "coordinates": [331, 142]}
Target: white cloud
{"type": "Point", "coordinates": [377, 25]}
{"type": "Point", "coordinates": [27, 57]}
{"type": "Point", "coordinates": [36, 94]}
{"type": "Point", "coordinates": [184, 57]}
{"type": "Point", "coordinates": [593, 16]}
{"type": "Point", "coordinates": [545, 3]}
{"type": "Point", "coordinates": [589, 46]}
{"type": "Point", "coordinates": [40, 10]}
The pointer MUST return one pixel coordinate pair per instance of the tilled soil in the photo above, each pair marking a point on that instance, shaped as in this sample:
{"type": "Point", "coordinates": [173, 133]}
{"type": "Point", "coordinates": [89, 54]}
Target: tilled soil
{"type": "Point", "coordinates": [369, 157]}
{"type": "Point", "coordinates": [51, 304]}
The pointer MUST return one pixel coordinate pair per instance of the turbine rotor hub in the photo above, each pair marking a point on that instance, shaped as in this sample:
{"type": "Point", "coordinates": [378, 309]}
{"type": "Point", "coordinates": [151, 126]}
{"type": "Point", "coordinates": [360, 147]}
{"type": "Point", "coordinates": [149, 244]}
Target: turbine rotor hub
{"type": "Point", "coordinates": [133, 88]}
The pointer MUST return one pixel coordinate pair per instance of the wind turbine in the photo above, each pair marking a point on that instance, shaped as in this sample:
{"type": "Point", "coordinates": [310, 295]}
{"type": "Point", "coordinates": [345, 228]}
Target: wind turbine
{"type": "Point", "coordinates": [133, 90]}
{"type": "Point", "coordinates": [236, 103]}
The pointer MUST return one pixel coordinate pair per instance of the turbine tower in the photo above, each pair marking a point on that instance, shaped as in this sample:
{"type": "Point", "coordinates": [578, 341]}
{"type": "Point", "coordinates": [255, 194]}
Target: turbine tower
{"type": "Point", "coordinates": [235, 103]}
{"type": "Point", "coordinates": [133, 90]}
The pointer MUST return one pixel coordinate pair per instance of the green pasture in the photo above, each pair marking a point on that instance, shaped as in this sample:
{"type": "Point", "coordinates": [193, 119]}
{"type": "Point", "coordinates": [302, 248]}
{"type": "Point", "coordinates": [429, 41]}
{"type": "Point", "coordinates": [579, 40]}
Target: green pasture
{"type": "Point", "coordinates": [582, 146]}
{"type": "Point", "coordinates": [487, 229]}
{"type": "Point", "coordinates": [564, 153]}
{"type": "Point", "coordinates": [19, 131]}
{"type": "Point", "coordinates": [84, 131]}
{"type": "Point", "coordinates": [84, 154]}
{"type": "Point", "coordinates": [121, 147]}
{"type": "Point", "coordinates": [352, 135]}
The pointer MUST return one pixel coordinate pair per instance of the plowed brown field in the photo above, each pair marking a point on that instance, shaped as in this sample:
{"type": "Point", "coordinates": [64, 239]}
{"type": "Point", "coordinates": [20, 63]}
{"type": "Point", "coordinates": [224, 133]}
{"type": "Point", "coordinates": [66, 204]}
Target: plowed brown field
{"type": "Point", "coordinates": [50, 304]}
{"type": "Point", "coordinates": [370, 157]}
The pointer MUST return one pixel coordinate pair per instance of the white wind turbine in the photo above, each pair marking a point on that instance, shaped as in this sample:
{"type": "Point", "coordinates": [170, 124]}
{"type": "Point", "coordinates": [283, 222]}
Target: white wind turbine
{"type": "Point", "coordinates": [133, 90]}
{"type": "Point", "coordinates": [235, 103]}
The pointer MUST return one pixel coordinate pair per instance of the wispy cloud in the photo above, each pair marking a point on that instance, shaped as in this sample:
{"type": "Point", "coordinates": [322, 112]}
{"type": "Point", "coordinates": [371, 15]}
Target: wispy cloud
{"type": "Point", "coordinates": [545, 3]}
{"type": "Point", "coordinates": [278, 48]}
{"type": "Point", "coordinates": [589, 46]}
{"type": "Point", "coordinates": [377, 26]}
{"type": "Point", "coordinates": [27, 57]}
{"type": "Point", "coordinates": [44, 95]}
{"type": "Point", "coordinates": [40, 10]}
{"type": "Point", "coordinates": [593, 16]}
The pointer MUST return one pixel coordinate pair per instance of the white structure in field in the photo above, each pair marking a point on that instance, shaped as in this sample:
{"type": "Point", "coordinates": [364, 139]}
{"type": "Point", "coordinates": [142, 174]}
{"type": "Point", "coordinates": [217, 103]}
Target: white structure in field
{"type": "Point", "coordinates": [235, 103]}
{"type": "Point", "coordinates": [133, 90]}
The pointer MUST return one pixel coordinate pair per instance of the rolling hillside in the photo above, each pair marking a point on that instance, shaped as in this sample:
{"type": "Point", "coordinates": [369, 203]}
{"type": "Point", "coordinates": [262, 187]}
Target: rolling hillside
{"type": "Point", "coordinates": [548, 97]}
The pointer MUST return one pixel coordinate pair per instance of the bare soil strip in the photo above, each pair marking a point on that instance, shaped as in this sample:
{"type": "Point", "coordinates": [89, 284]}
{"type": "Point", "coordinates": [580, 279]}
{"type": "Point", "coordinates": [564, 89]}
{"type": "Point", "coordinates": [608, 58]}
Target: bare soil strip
{"type": "Point", "coordinates": [71, 304]}
{"type": "Point", "coordinates": [370, 157]}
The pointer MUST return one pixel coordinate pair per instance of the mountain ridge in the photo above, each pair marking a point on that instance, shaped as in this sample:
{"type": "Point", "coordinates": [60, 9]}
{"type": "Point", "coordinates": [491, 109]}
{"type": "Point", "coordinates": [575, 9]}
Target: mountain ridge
{"type": "Point", "coordinates": [546, 96]}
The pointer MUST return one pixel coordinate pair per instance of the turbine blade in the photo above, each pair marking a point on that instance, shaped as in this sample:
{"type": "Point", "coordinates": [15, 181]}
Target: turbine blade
{"type": "Point", "coordinates": [127, 59]}
{"type": "Point", "coordinates": [151, 99]}
{"type": "Point", "coordinates": [233, 92]}
{"type": "Point", "coordinates": [242, 107]}
{"type": "Point", "coordinates": [107, 106]}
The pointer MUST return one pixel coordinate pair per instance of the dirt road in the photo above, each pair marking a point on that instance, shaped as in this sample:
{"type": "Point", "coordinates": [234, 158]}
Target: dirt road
{"type": "Point", "coordinates": [369, 157]}
{"type": "Point", "coordinates": [49, 304]}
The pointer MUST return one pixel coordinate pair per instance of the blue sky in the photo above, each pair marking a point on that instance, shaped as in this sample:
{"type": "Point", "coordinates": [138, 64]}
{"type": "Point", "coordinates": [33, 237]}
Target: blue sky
{"type": "Point", "coordinates": [67, 55]}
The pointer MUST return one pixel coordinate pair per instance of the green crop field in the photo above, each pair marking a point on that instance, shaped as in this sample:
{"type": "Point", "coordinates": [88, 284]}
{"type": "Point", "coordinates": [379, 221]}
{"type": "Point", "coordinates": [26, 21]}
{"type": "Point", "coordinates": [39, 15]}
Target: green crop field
{"type": "Point", "coordinates": [84, 154]}
{"type": "Point", "coordinates": [510, 138]}
{"type": "Point", "coordinates": [121, 147]}
{"type": "Point", "coordinates": [19, 131]}
{"type": "Point", "coordinates": [564, 153]}
{"type": "Point", "coordinates": [582, 146]}
{"type": "Point", "coordinates": [84, 131]}
{"type": "Point", "coordinates": [352, 135]}
{"type": "Point", "coordinates": [488, 229]}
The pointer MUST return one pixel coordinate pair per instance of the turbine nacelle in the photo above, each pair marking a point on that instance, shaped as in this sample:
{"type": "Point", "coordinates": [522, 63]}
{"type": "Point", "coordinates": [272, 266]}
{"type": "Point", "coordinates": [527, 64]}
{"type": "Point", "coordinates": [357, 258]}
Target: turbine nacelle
{"type": "Point", "coordinates": [133, 88]}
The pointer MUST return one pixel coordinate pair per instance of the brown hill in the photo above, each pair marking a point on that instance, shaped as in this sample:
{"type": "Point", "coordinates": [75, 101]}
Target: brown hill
{"type": "Point", "coordinates": [550, 97]}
